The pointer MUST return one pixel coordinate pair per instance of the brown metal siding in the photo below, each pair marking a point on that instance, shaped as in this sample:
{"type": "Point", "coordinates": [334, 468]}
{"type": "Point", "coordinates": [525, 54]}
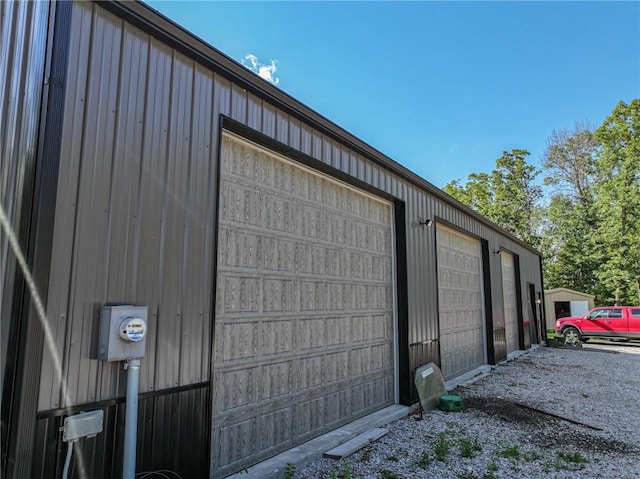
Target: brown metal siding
{"type": "Point", "coordinates": [19, 402]}
{"type": "Point", "coordinates": [170, 438]}
{"type": "Point", "coordinates": [24, 39]}
{"type": "Point", "coordinates": [135, 220]}
{"type": "Point", "coordinates": [24, 44]}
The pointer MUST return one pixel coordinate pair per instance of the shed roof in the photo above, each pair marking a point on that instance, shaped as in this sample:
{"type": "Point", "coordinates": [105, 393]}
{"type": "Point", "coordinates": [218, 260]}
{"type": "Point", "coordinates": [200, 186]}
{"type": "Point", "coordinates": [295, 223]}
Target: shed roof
{"type": "Point", "coordinates": [567, 290]}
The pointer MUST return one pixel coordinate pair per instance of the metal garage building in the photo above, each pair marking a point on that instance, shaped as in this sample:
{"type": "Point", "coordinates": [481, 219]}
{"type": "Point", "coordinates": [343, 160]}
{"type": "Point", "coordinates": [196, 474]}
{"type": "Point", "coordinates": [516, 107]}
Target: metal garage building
{"type": "Point", "coordinates": [295, 276]}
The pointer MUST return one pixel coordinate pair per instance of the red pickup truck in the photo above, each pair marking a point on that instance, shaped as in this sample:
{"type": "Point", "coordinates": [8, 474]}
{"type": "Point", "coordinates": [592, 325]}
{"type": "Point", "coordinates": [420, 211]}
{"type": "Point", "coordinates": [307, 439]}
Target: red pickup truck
{"type": "Point", "coordinates": [619, 322]}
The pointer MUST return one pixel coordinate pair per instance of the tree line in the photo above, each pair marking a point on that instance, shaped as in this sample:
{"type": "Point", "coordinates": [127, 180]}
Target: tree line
{"type": "Point", "coordinates": [586, 223]}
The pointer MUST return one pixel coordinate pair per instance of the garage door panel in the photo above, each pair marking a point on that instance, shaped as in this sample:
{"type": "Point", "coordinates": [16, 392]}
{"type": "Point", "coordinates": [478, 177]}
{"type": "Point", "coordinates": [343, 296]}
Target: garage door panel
{"type": "Point", "coordinates": [304, 415]}
{"type": "Point", "coordinates": [510, 301]}
{"type": "Point", "coordinates": [460, 302]}
{"type": "Point", "coordinates": [304, 306]}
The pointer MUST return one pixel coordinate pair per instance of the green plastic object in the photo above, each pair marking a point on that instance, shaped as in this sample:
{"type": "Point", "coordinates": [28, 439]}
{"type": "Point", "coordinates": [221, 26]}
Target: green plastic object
{"type": "Point", "coordinates": [451, 403]}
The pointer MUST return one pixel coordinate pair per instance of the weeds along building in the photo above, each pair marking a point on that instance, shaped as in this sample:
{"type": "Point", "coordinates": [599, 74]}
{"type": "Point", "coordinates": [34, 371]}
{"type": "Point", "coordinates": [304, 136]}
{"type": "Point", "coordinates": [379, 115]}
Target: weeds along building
{"type": "Point", "coordinates": [294, 276]}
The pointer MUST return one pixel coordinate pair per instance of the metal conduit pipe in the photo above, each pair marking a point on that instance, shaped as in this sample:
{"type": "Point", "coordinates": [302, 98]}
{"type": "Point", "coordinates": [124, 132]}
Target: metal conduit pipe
{"type": "Point", "coordinates": [131, 419]}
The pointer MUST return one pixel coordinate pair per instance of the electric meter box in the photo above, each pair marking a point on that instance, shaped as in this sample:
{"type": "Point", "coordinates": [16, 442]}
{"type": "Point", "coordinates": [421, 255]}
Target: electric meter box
{"type": "Point", "coordinates": [123, 333]}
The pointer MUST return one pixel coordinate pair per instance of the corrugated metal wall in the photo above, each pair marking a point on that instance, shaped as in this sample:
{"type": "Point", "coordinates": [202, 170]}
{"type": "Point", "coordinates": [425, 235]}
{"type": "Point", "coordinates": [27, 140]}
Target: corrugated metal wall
{"type": "Point", "coordinates": [135, 222]}
{"type": "Point", "coordinates": [23, 41]}
{"type": "Point", "coordinates": [135, 218]}
{"type": "Point", "coordinates": [171, 439]}
{"type": "Point", "coordinates": [135, 213]}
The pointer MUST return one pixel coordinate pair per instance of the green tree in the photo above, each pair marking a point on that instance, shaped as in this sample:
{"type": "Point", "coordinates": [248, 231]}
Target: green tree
{"type": "Point", "coordinates": [508, 195]}
{"type": "Point", "coordinates": [617, 204]}
{"type": "Point", "coordinates": [475, 193]}
{"type": "Point", "coordinates": [566, 246]}
{"type": "Point", "coordinates": [569, 163]}
{"type": "Point", "coordinates": [569, 168]}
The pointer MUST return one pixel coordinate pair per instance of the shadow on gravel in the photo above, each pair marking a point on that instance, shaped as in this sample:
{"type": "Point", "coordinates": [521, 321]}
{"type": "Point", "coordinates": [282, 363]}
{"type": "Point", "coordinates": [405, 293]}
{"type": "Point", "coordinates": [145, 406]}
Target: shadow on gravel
{"type": "Point", "coordinates": [546, 431]}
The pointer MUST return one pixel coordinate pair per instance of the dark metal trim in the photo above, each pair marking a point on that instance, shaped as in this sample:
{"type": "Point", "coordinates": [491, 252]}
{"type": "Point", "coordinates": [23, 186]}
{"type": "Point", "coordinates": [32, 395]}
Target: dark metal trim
{"type": "Point", "coordinates": [521, 333]}
{"type": "Point", "coordinates": [488, 301]}
{"type": "Point", "coordinates": [121, 400]}
{"type": "Point", "coordinates": [543, 309]}
{"type": "Point", "coordinates": [214, 285]}
{"type": "Point", "coordinates": [533, 312]}
{"type": "Point", "coordinates": [283, 149]}
{"type": "Point", "coordinates": [18, 314]}
{"type": "Point", "coordinates": [402, 294]}
{"type": "Point", "coordinates": [441, 221]}
{"type": "Point", "coordinates": [164, 29]}
{"type": "Point", "coordinates": [171, 437]}
{"type": "Point", "coordinates": [436, 221]}
{"type": "Point", "coordinates": [22, 426]}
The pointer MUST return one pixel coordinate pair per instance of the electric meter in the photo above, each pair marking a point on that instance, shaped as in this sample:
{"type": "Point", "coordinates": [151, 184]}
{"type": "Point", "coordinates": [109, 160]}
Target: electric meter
{"type": "Point", "coordinates": [132, 330]}
{"type": "Point", "coordinates": [123, 332]}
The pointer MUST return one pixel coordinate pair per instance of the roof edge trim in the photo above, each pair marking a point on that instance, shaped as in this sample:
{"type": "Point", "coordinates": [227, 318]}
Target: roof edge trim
{"type": "Point", "coordinates": [166, 30]}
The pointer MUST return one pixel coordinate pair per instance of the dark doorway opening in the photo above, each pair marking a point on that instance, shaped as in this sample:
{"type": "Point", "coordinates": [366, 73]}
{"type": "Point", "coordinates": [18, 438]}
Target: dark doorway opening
{"type": "Point", "coordinates": [535, 323]}
{"type": "Point", "coordinates": [562, 309]}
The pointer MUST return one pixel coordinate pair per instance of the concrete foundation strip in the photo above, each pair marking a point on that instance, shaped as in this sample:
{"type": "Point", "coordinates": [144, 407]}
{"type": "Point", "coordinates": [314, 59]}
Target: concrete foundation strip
{"type": "Point", "coordinates": [355, 444]}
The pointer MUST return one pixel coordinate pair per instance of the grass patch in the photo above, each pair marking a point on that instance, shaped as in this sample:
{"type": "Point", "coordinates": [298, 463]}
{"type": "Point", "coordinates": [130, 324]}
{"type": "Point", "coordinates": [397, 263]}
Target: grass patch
{"type": "Point", "coordinates": [345, 474]}
{"type": "Point", "coordinates": [531, 456]}
{"type": "Point", "coordinates": [512, 451]}
{"type": "Point", "coordinates": [424, 461]}
{"type": "Point", "coordinates": [470, 447]}
{"type": "Point", "coordinates": [575, 458]}
{"type": "Point", "coordinates": [572, 461]}
{"type": "Point", "coordinates": [442, 447]}
{"type": "Point", "coordinates": [366, 456]}
{"type": "Point", "coordinates": [387, 474]}
{"type": "Point", "coordinates": [289, 471]}
{"type": "Point", "coordinates": [492, 468]}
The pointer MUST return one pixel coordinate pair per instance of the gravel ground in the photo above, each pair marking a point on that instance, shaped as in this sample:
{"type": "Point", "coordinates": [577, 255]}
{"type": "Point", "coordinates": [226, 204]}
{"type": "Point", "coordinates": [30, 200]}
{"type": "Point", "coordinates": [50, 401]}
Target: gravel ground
{"type": "Point", "coordinates": [496, 437]}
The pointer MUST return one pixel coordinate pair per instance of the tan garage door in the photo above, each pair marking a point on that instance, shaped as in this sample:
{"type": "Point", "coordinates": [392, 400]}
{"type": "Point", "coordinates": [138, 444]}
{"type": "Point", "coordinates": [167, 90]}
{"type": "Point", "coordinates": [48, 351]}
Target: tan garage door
{"type": "Point", "coordinates": [460, 301]}
{"type": "Point", "coordinates": [510, 304]}
{"type": "Point", "coordinates": [304, 328]}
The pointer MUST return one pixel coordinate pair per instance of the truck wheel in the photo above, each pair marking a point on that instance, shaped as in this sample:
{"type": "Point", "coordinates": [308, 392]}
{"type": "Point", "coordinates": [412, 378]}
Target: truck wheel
{"type": "Point", "coordinates": [571, 335]}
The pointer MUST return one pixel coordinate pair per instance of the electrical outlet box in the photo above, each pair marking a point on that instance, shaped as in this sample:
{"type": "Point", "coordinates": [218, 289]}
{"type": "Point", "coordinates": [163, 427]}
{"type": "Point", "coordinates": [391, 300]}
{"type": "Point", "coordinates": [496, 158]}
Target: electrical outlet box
{"type": "Point", "coordinates": [123, 332]}
{"type": "Point", "coordinates": [84, 424]}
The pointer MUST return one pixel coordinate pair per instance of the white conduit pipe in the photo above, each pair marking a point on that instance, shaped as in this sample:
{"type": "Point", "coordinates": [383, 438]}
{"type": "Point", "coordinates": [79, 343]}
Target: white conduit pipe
{"type": "Point", "coordinates": [67, 462]}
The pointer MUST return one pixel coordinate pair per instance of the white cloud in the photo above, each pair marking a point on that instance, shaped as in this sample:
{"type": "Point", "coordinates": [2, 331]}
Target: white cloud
{"type": "Point", "coordinates": [266, 71]}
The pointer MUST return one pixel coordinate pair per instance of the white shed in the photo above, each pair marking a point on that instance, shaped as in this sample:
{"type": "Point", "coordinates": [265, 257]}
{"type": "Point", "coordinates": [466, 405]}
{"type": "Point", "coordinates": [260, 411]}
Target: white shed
{"type": "Point", "coordinates": [562, 302]}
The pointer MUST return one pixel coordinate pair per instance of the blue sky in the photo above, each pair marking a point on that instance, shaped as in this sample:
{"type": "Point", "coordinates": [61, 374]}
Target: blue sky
{"type": "Point", "coordinates": [441, 87]}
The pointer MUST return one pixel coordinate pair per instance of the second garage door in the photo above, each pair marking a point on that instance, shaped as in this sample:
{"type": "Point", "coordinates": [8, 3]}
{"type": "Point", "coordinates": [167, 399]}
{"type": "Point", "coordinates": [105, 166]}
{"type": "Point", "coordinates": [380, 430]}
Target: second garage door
{"type": "Point", "coordinates": [460, 302]}
{"type": "Point", "coordinates": [304, 325]}
{"type": "Point", "coordinates": [510, 301]}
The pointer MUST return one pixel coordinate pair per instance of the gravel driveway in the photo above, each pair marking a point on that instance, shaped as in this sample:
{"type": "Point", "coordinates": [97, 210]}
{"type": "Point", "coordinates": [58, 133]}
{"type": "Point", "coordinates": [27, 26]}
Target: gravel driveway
{"type": "Point", "coordinates": [501, 434]}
